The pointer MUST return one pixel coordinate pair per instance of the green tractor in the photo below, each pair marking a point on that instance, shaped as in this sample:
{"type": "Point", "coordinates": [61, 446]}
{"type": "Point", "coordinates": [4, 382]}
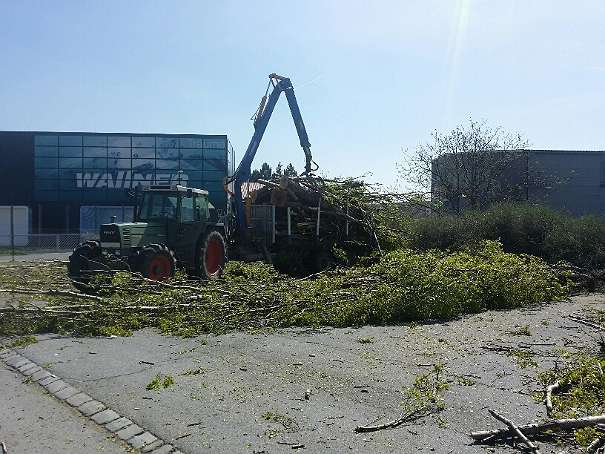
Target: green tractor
{"type": "Point", "coordinates": [174, 226]}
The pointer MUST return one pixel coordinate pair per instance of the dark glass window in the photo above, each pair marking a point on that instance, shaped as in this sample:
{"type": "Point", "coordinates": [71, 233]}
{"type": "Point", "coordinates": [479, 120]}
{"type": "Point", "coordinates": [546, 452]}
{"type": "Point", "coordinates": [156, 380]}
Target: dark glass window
{"type": "Point", "coordinates": [69, 173]}
{"type": "Point", "coordinates": [70, 152]}
{"type": "Point", "coordinates": [190, 142]}
{"type": "Point", "coordinates": [215, 154]}
{"type": "Point", "coordinates": [119, 164]}
{"type": "Point", "coordinates": [95, 141]}
{"type": "Point", "coordinates": [46, 140]}
{"type": "Point", "coordinates": [167, 153]}
{"type": "Point", "coordinates": [143, 142]}
{"type": "Point", "coordinates": [194, 153]}
{"type": "Point", "coordinates": [46, 162]}
{"type": "Point", "coordinates": [96, 163]}
{"type": "Point", "coordinates": [47, 185]}
{"type": "Point", "coordinates": [70, 163]}
{"type": "Point", "coordinates": [118, 141]}
{"type": "Point", "coordinates": [215, 143]}
{"type": "Point", "coordinates": [167, 142]}
{"type": "Point", "coordinates": [192, 165]}
{"type": "Point", "coordinates": [166, 164]}
{"type": "Point", "coordinates": [143, 153]}
{"type": "Point", "coordinates": [47, 151]}
{"type": "Point", "coordinates": [119, 153]}
{"type": "Point", "coordinates": [143, 164]}
{"type": "Point", "coordinates": [47, 173]}
{"type": "Point", "coordinates": [210, 175]}
{"type": "Point", "coordinates": [92, 152]}
{"type": "Point", "coordinates": [70, 141]}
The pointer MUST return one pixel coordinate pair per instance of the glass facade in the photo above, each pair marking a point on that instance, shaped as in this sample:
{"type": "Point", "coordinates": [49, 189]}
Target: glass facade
{"type": "Point", "coordinates": [98, 169]}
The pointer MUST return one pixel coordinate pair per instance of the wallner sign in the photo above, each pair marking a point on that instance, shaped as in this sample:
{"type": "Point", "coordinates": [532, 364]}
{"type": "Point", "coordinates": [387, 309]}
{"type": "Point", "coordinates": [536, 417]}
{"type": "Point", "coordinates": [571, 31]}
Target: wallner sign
{"type": "Point", "coordinates": [126, 179]}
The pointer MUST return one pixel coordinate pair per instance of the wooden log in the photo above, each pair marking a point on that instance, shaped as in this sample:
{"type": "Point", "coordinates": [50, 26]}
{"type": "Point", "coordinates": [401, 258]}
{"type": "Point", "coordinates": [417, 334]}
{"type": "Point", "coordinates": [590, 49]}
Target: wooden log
{"type": "Point", "coordinates": [516, 430]}
{"type": "Point", "coordinates": [549, 390]}
{"type": "Point", "coordinates": [533, 429]}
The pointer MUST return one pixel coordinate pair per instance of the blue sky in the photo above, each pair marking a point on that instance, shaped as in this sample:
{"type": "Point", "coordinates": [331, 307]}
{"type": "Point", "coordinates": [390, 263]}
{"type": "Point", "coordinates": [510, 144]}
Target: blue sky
{"type": "Point", "coordinates": [372, 77]}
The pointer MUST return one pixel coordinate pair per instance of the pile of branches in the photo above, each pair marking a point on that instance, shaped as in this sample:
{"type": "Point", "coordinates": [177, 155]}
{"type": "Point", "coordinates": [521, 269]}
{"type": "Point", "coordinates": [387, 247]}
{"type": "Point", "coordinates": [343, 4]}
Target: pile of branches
{"type": "Point", "coordinates": [374, 216]}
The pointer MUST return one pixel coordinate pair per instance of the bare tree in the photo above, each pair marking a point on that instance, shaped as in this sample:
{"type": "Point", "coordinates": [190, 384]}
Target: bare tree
{"type": "Point", "coordinates": [472, 166]}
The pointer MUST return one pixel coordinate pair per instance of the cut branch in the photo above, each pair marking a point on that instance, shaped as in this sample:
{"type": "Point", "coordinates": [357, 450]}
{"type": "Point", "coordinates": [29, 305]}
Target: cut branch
{"type": "Point", "coordinates": [516, 430]}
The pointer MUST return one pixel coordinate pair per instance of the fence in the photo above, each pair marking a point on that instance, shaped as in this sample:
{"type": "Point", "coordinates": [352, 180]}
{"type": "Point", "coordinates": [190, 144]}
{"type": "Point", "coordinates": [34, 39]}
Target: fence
{"type": "Point", "coordinates": [21, 244]}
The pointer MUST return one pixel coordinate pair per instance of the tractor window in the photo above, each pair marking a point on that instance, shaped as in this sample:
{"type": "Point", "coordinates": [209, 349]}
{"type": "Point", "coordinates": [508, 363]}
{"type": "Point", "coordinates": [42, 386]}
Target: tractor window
{"type": "Point", "coordinates": [187, 212]}
{"type": "Point", "coordinates": [201, 208]}
{"type": "Point", "coordinates": [158, 206]}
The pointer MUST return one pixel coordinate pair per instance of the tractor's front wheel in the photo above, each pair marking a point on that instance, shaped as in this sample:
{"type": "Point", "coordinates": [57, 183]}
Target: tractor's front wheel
{"type": "Point", "coordinates": [157, 262]}
{"type": "Point", "coordinates": [211, 256]}
{"type": "Point", "coordinates": [85, 258]}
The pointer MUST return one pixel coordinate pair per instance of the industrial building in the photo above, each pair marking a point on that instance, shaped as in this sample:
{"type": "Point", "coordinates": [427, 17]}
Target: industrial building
{"type": "Point", "coordinates": [73, 181]}
{"type": "Point", "coordinates": [572, 181]}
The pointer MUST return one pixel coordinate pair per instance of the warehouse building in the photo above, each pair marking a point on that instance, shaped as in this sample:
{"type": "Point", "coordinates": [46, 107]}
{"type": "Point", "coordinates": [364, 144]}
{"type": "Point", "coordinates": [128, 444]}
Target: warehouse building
{"type": "Point", "coordinates": [572, 181]}
{"type": "Point", "coordinates": [71, 181]}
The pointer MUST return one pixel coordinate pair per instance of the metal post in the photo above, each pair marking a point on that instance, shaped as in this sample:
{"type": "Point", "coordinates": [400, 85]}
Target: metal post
{"type": "Point", "coordinates": [318, 216]}
{"type": "Point", "coordinates": [347, 223]}
{"type": "Point", "coordinates": [273, 222]}
{"type": "Point", "coordinates": [289, 223]}
{"type": "Point", "coordinates": [57, 241]}
{"type": "Point", "coordinates": [12, 233]}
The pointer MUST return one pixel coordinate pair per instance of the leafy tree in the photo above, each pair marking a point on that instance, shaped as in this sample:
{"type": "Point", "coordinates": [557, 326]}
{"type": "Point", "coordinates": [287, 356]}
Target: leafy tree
{"type": "Point", "coordinates": [472, 166]}
{"type": "Point", "coordinates": [290, 171]}
{"type": "Point", "coordinates": [264, 173]}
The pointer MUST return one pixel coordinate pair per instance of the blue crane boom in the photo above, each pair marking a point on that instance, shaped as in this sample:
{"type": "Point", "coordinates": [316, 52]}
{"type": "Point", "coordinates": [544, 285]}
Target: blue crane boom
{"type": "Point", "coordinates": [261, 120]}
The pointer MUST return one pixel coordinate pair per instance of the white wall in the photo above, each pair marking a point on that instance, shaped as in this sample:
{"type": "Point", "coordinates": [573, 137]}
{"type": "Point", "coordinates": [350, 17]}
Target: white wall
{"type": "Point", "coordinates": [20, 225]}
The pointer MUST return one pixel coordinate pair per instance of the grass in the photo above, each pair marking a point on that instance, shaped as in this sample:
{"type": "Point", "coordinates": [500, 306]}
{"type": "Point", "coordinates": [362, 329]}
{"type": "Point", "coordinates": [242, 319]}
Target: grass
{"type": "Point", "coordinates": [20, 342]}
{"type": "Point", "coordinates": [402, 286]}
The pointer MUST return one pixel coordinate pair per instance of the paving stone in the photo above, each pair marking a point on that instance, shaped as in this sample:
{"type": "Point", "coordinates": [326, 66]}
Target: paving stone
{"type": "Point", "coordinates": [165, 449]}
{"type": "Point", "coordinates": [141, 440]}
{"type": "Point", "coordinates": [78, 399]}
{"type": "Point", "coordinates": [153, 446]}
{"type": "Point", "coordinates": [32, 371]}
{"type": "Point", "coordinates": [48, 380]}
{"type": "Point", "coordinates": [40, 375]}
{"type": "Point", "coordinates": [92, 407]}
{"type": "Point", "coordinates": [28, 364]}
{"type": "Point", "coordinates": [56, 386]}
{"type": "Point", "coordinates": [118, 424]}
{"type": "Point", "coordinates": [9, 358]}
{"type": "Point", "coordinates": [65, 393]}
{"type": "Point", "coordinates": [14, 360]}
{"type": "Point", "coordinates": [7, 354]}
{"type": "Point", "coordinates": [128, 432]}
{"type": "Point", "coordinates": [105, 416]}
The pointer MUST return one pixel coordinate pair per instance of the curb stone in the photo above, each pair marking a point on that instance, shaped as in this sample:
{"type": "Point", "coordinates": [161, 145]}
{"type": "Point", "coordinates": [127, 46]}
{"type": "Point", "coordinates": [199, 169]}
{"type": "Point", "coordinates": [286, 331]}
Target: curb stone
{"type": "Point", "coordinates": [96, 411]}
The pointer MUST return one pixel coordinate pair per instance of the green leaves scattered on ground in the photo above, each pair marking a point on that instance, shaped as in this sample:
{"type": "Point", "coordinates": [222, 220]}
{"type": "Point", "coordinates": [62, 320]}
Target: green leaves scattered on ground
{"type": "Point", "coordinates": [401, 286]}
{"type": "Point", "coordinates": [581, 391]}
{"type": "Point", "coordinates": [20, 342]}
{"type": "Point", "coordinates": [160, 382]}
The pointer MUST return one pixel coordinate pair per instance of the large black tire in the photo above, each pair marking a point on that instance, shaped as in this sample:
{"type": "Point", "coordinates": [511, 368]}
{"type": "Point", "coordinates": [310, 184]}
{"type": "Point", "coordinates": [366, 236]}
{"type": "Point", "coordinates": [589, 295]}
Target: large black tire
{"type": "Point", "coordinates": [81, 260]}
{"type": "Point", "coordinates": [211, 256]}
{"type": "Point", "coordinates": [157, 262]}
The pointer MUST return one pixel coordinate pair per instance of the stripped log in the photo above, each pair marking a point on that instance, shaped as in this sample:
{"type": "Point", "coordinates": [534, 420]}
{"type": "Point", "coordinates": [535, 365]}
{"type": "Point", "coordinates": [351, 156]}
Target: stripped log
{"type": "Point", "coordinates": [533, 429]}
{"type": "Point", "coordinates": [549, 390]}
{"type": "Point", "coordinates": [516, 430]}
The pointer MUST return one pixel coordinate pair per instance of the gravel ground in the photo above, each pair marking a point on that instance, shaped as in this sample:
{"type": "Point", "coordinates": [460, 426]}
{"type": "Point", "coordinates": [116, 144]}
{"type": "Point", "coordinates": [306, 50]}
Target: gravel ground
{"type": "Point", "coordinates": [242, 379]}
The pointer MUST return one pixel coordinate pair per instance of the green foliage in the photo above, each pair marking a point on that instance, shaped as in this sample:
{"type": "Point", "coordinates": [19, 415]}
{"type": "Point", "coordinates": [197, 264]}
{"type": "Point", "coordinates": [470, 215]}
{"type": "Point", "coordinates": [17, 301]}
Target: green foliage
{"type": "Point", "coordinates": [366, 340]}
{"type": "Point", "coordinates": [159, 382]}
{"type": "Point", "coordinates": [521, 331]}
{"type": "Point", "coordinates": [582, 385]}
{"type": "Point", "coordinates": [581, 391]}
{"type": "Point", "coordinates": [401, 286]}
{"type": "Point", "coordinates": [288, 423]}
{"type": "Point", "coordinates": [523, 358]}
{"type": "Point", "coordinates": [426, 393]}
{"type": "Point", "coordinates": [521, 228]}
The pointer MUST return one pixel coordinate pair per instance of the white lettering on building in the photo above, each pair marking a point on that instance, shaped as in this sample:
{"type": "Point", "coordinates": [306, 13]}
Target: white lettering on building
{"type": "Point", "coordinates": [125, 179]}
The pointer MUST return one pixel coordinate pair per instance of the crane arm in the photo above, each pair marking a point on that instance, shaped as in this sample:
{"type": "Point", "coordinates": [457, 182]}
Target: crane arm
{"type": "Point", "coordinates": [261, 120]}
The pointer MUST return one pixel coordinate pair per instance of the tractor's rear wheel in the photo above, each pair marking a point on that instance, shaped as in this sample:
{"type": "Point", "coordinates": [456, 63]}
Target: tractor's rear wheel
{"type": "Point", "coordinates": [85, 258]}
{"type": "Point", "coordinates": [212, 256]}
{"type": "Point", "coordinates": [157, 262]}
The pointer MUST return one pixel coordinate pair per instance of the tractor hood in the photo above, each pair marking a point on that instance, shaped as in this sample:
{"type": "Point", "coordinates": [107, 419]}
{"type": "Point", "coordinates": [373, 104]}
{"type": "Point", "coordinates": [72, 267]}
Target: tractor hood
{"type": "Point", "coordinates": [132, 234]}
